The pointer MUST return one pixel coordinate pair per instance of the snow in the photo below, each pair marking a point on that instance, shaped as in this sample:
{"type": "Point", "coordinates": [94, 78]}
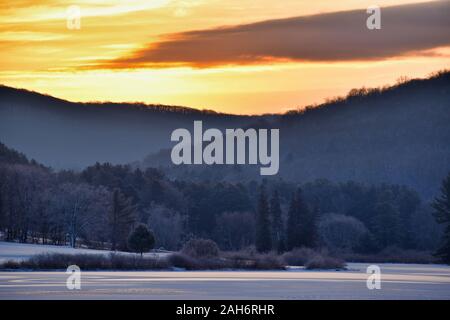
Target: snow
{"type": "Point", "coordinates": [22, 251]}
{"type": "Point", "coordinates": [398, 281]}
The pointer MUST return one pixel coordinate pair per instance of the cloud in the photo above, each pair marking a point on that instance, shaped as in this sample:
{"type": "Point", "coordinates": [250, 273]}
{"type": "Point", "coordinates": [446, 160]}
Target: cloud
{"type": "Point", "coordinates": [340, 36]}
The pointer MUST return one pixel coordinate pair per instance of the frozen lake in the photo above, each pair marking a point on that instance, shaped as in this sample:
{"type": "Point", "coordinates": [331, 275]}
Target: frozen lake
{"type": "Point", "coordinates": [399, 281]}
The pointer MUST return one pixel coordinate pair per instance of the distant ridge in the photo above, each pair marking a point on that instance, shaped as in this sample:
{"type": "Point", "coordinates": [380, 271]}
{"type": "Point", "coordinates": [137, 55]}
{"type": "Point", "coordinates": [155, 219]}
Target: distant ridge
{"type": "Point", "coordinates": [6, 91]}
{"type": "Point", "coordinates": [398, 135]}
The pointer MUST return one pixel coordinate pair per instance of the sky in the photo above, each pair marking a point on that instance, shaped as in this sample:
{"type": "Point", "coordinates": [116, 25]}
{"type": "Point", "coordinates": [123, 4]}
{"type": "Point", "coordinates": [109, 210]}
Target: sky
{"type": "Point", "coordinates": [234, 56]}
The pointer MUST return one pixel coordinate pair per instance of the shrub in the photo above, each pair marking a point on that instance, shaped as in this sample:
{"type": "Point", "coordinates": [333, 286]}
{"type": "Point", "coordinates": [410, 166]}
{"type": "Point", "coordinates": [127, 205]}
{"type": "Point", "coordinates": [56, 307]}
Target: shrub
{"type": "Point", "coordinates": [298, 257]}
{"type": "Point", "coordinates": [320, 261]}
{"type": "Point", "coordinates": [124, 262]}
{"type": "Point", "coordinates": [200, 248]}
{"type": "Point", "coordinates": [179, 260]}
{"type": "Point", "coordinates": [87, 262]}
{"type": "Point", "coordinates": [267, 261]}
{"type": "Point", "coordinates": [253, 261]}
{"type": "Point", "coordinates": [312, 259]}
{"type": "Point", "coordinates": [341, 232]}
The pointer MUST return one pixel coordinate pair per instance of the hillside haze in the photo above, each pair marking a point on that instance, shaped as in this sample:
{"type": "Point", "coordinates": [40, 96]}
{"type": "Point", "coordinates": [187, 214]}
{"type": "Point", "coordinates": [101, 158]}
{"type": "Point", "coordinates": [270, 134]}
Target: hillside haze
{"type": "Point", "coordinates": [63, 134]}
{"type": "Point", "coordinates": [397, 135]}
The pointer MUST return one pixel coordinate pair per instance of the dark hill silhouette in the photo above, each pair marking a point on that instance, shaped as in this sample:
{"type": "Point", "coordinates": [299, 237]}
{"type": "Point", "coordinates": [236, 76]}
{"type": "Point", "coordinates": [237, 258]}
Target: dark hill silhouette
{"type": "Point", "coordinates": [64, 134]}
{"type": "Point", "coordinates": [399, 134]}
{"type": "Point", "coordinates": [10, 156]}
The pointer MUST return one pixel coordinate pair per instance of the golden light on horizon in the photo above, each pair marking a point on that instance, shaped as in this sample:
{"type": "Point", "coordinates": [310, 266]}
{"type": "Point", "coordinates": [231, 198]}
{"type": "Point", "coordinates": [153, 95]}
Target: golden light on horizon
{"type": "Point", "coordinates": [39, 53]}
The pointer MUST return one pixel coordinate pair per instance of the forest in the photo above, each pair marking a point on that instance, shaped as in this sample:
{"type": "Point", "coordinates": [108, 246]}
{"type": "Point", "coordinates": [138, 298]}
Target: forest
{"type": "Point", "coordinates": [99, 207]}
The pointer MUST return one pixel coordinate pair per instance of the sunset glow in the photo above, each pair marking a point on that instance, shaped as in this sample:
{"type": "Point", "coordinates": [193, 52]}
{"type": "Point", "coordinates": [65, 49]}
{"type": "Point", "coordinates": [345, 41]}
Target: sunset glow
{"type": "Point", "coordinates": [145, 51]}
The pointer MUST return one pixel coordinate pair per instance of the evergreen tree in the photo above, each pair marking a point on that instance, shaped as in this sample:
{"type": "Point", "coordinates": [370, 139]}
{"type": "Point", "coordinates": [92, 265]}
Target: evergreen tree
{"type": "Point", "coordinates": [141, 240]}
{"type": "Point", "coordinates": [386, 225]}
{"type": "Point", "coordinates": [293, 222]}
{"type": "Point", "coordinates": [263, 234]}
{"type": "Point", "coordinates": [312, 235]}
{"type": "Point", "coordinates": [301, 228]}
{"type": "Point", "coordinates": [121, 219]}
{"type": "Point", "coordinates": [277, 222]}
{"type": "Point", "coordinates": [441, 206]}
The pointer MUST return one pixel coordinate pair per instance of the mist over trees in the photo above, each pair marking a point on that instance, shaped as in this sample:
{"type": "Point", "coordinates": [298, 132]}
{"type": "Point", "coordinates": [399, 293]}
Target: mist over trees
{"type": "Point", "coordinates": [101, 205]}
{"type": "Point", "coordinates": [373, 135]}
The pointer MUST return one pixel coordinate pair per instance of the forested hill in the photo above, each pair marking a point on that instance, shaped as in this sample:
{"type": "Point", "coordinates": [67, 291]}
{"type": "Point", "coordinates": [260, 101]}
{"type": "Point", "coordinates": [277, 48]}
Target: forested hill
{"type": "Point", "coordinates": [398, 135]}
{"type": "Point", "coordinates": [64, 134]}
{"type": "Point", "coordinates": [8, 155]}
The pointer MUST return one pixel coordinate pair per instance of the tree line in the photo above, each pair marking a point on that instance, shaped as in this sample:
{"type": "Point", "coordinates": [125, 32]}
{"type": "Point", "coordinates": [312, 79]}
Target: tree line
{"type": "Point", "coordinates": [99, 206]}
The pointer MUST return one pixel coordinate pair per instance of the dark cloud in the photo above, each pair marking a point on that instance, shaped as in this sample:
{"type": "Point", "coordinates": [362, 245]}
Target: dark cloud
{"type": "Point", "coordinates": [336, 36]}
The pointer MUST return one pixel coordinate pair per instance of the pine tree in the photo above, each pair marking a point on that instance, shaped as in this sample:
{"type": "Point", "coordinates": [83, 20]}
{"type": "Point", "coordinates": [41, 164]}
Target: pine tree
{"type": "Point", "coordinates": [441, 206]}
{"type": "Point", "coordinates": [293, 224]}
{"type": "Point", "coordinates": [141, 240]}
{"type": "Point", "coordinates": [301, 228]}
{"type": "Point", "coordinates": [386, 224]}
{"type": "Point", "coordinates": [277, 222]}
{"type": "Point", "coordinates": [263, 235]}
{"type": "Point", "coordinates": [121, 219]}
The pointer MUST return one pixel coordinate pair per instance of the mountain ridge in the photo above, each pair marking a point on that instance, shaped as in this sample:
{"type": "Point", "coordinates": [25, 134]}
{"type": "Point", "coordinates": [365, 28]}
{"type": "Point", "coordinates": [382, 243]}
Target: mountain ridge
{"type": "Point", "coordinates": [398, 134]}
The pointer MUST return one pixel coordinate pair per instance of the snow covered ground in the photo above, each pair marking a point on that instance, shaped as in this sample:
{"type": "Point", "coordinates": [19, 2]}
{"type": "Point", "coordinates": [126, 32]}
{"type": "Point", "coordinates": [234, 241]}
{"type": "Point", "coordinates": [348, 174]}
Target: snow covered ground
{"type": "Point", "coordinates": [398, 281]}
{"type": "Point", "coordinates": [21, 251]}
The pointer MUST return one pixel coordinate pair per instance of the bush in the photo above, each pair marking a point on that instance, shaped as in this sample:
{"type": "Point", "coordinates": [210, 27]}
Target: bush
{"type": "Point", "coordinates": [320, 261]}
{"type": "Point", "coordinates": [267, 261]}
{"type": "Point", "coordinates": [231, 260]}
{"type": "Point", "coordinates": [201, 248]}
{"type": "Point", "coordinates": [123, 262]}
{"type": "Point", "coordinates": [298, 256]}
{"type": "Point", "coordinates": [87, 262]}
{"type": "Point", "coordinates": [117, 261]}
{"type": "Point", "coordinates": [312, 259]}
{"type": "Point", "coordinates": [179, 260]}
{"type": "Point", "coordinates": [253, 261]}
{"type": "Point", "coordinates": [340, 232]}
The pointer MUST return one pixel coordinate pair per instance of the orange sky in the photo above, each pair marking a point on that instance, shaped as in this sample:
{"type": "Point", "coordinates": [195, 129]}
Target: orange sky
{"type": "Point", "coordinates": [140, 51]}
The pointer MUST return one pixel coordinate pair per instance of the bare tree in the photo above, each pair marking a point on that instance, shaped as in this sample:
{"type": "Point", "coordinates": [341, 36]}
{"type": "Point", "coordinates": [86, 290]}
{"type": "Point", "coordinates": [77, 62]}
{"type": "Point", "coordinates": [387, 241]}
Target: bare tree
{"type": "Point", "coordinates": [341, 232]}
{"type": "Point", "coordinates": [78, 205]}
{"type": "Point", "coordinates": [168, 225]}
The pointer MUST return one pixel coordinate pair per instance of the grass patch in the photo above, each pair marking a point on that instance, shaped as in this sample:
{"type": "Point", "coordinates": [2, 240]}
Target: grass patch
{"type": "Point", "coordinates": [298, 256]}
{"type": "Point", "coordinates": [52, 261]}
{"type": "Point", "coordinates": [324, 262]}
{"type": "Point", "coordinates": [227, 261]}
{"type": "Point", "coordinates": [58, 261]}
{"type": "Point", "coordinates": [312, 259]}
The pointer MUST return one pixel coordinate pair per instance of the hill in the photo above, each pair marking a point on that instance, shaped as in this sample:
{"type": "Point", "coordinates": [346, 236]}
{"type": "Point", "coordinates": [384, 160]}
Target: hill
{"type": "Point", "coordinates": [399, 134]}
